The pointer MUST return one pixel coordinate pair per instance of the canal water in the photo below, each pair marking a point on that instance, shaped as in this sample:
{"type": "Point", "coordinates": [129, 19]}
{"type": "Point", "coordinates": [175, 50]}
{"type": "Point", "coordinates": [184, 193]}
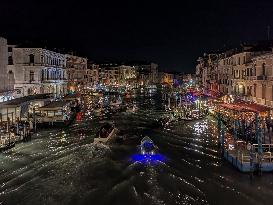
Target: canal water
{"type": "Point", "coordinates": [64, 167]}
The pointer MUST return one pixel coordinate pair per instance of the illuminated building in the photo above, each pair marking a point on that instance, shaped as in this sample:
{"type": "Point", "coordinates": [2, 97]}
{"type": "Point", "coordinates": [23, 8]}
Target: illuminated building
{"type": "Point", "coordinates": [77, 75]}
{"type": "Point", "coordinates": [37, 71]}
{"type": "Point", "coordinates": [3, 64]}
{"type": "Point", "coordinates": [245, 72]}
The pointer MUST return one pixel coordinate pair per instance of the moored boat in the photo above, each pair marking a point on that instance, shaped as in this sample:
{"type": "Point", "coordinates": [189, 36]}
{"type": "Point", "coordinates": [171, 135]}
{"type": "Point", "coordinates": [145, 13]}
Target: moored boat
{"type": "Point", "coordinates": [7, 146]}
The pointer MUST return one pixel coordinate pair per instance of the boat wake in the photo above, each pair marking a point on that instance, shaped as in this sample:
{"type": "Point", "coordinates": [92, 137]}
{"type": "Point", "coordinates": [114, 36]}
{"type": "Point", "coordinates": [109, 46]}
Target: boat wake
{"type": "Point", "coordinates": [96, 150]}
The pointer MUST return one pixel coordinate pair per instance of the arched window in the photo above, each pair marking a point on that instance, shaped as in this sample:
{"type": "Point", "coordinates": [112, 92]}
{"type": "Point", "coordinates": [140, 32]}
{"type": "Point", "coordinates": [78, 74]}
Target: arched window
{"type": "Point", "coordinates": [42, 59]}
{"type": "Point", "coordinates": [31, 58]}
{"type": "Point", "coordinates": [43, 75]}
{"type": "Point", "coordinates": [47, 76]}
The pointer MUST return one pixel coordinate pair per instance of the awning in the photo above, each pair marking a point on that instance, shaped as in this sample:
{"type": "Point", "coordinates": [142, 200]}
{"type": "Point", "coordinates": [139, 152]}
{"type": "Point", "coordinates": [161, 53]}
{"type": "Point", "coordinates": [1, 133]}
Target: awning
{"type": "Point", "coordinates": [245, 107]}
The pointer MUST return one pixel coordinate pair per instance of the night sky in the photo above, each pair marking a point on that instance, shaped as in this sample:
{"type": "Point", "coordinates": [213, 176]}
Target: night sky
{"type": "Point", "coordinates": [171, 34]}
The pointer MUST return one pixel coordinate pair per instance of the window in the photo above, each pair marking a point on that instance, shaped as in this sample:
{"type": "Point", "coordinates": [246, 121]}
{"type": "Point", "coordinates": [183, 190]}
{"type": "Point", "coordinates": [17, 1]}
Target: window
{"type": "Point", "coordinates": [31, 76]}
{"type": "Point", "coordinates": [9, 49]}
{"type": "Point", "coordinates": [263, 67]}
{"type": "Point", "coordinates": [255, 87]}
{"type": "Point", "coordinates": [272, 93]}
{"type": "Point", "coordinates": [42, 59]}
{"type": "Point", "coordinates": [31, 58]}
{"type": "Point", "coordinates": [263, 91]}
{"type": "Point", "coordinates": [10, 60]}
{"type": "Point", "coordinates": [29, 91]}
{"type": "Point", "coordinates": [43, 74]}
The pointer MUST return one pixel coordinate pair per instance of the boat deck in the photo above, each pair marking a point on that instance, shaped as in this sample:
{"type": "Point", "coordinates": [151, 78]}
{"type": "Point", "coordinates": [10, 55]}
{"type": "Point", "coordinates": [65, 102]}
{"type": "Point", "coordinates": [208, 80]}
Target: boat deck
{"type": "Point", "coordinates": [242, 159]}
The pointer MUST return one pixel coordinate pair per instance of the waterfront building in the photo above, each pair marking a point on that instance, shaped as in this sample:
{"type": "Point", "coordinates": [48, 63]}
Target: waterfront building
{"type": "Point", "coordinates": [260, 80]}
{"type": "Point", "coordinates": [167, 79]}
{"type": "Point", "coordinates": [246, 72]}
{"type": "Point", "coordinates": [186, 78]}
{"type": "Point", "coordinates": [147, 73]}
{"type": "Point", "coordinates": [225, 72]}
{"type": "Point", "coordinates": [92, 75]}
{"type": "Point", "coordinates": [77, 74]}
{"type": "Point", "coordinates": [127, 76]}
{"type": "Point", "coordinates": [112, 74]}
{"type": "Point", "coordinates": [132, 74]}
{"type": "Point", "coordinates": [36, 71]}
{"type": "Point", "coordinates": [3, 65]}
{"type": "Point", "coordinates": [206, 71]}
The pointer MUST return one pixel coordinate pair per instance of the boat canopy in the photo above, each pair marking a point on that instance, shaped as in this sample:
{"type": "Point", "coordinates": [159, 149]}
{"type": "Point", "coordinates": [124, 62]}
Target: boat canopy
{"type": "Point", "coordinates": [55, 105]}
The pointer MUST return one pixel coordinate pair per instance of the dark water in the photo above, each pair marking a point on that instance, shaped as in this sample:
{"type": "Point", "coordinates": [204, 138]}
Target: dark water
{"type": "Point", "coordinates": [64, 167]}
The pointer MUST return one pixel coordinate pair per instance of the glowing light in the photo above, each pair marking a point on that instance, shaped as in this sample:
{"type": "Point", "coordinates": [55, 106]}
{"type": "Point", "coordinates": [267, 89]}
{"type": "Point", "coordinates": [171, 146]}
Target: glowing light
{"type": "Point", "coordinates": [146, 158]}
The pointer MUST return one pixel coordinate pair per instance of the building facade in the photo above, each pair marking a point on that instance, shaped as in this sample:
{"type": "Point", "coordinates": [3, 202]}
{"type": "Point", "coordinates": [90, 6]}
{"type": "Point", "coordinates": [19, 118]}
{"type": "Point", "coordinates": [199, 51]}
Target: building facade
{"type": "Point", "coordinates": [93, 75]}
{"type": "Point", "coordinates": [37, 71]}
{"type": "Point", "coordinates": [3, 65]}
{"type": "Point", "coordinates": [247, 73]}
{"type": "Point", "coordinates": [76, 69]}
{"type": "Point", "coordinates": [147, 73]}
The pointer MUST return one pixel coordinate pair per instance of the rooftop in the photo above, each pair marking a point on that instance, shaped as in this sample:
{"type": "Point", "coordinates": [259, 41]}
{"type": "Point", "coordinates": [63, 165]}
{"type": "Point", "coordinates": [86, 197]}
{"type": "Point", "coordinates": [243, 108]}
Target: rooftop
{"type": "Point", "coordinates": [55, 105]}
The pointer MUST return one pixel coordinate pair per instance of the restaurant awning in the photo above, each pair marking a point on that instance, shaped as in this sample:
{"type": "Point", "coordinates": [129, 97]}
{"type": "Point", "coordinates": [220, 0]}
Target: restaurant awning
{"type": "Point", "coordinates": [245, 107]}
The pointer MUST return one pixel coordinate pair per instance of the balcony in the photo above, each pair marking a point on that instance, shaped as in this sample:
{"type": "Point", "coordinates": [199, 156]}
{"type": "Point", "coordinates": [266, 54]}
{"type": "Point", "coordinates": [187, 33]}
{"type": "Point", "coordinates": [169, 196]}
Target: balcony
{"type": "Point", "coordinates": [53, 80]}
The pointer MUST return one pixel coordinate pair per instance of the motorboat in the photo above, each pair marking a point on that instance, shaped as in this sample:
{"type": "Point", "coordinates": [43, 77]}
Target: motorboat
{"type": "Point", "coordinates": [131, 109]}
{"type": "Point", "coordinates": [147, 146]}
{"type": "Point", "coordinates": [106, 133]}
{"type": "Point", "coordinates": [148, 153]}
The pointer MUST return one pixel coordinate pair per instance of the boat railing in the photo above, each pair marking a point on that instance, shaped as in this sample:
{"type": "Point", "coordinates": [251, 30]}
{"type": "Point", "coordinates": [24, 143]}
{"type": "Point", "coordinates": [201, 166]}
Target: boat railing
{"type": "Point", "coordinates": [244, 156]}
{"type": "Point", "coordinates": [265, 147]}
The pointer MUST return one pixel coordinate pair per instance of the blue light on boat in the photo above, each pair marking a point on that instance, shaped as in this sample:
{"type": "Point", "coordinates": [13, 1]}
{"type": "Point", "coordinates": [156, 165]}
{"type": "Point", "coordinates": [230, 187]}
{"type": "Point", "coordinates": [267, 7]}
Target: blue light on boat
{"type": "Point", "coordinates": [148, 158]}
